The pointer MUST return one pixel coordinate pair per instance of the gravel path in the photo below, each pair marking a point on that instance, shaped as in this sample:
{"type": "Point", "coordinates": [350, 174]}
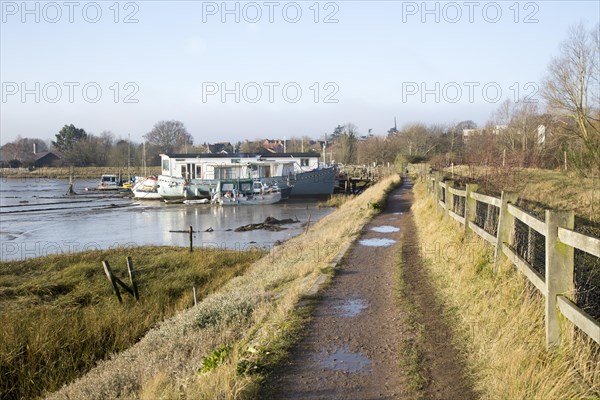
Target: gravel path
{"type": "Point", "coordinates": [351, 348]}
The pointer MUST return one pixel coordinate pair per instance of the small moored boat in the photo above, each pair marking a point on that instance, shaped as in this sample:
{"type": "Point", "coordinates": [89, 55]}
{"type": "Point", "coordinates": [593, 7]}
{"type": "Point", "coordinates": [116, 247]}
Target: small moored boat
{"type": "Point", "coordinates": [146, 189]}
{"type": "Point", "coordinates": [108, 182]}
{"type": "Point", "coordinates": [257, 194]}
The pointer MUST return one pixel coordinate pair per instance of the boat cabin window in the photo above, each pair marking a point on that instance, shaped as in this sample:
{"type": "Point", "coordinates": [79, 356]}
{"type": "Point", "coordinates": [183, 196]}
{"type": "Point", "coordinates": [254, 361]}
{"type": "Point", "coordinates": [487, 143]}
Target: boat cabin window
{"type": "Point", "coordinates": [265, 171]}
{"type": "Point", "coordinates": [165, 165]}
{"type": "Point", "coordinates": [304, 162]}
{"type": "Point", "coordinates": [191, 171]}
{"type": "Point", "coordinates": [245, 187]}
{"type": "Point", "coordinates": [198, 172]}
{"type": "Point", "coordinates": [225, 173]}
{"type": "Point", "coordinates": [109, 179]}
{"type": "Point", "coordinates": [184, 171]}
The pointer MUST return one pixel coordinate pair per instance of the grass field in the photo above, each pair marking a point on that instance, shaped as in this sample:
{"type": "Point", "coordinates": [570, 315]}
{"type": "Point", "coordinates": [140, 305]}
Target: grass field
{"type": "Point", "coordinates": [499, 319]}
{"type": "Point", "coordinates": [553, 189]}
{"type": "Point", "coordinates": [59, 316]}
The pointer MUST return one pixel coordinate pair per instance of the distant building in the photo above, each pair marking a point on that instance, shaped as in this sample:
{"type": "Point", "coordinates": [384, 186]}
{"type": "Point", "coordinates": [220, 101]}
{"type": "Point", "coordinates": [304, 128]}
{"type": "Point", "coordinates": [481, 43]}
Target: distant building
{"type": "Point", "coordinates": [274, 145]}
{"type": "Point", "coordinates": [469, 133]}
{"type": "Point", "coordinates": [46, 159]}
{"type": "Point", "coordinates": [541, 134]}
{"type": "Point", "coordinates": [499, 128]}
{"type": "Point", "coordinates": [219, 148]}
{"type": "Point", "coordinates": [42, 159]}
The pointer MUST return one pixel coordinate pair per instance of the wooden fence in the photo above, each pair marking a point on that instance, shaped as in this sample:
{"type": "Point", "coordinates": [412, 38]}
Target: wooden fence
{"type": "Point", "coordinates": [496, 219]}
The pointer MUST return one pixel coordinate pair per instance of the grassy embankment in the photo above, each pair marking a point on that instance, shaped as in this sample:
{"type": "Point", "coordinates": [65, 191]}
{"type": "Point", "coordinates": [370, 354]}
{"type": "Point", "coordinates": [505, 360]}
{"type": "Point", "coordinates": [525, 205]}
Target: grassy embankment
{"type": "Point", "coordinates": [92, 173]}
{"type": "Point", "coordinates": [59, 315]}
{"type": "Point", "coordinates": [225, 346]}
{"type": "Point", "coordinates": [553, 189]}
{"type": "Point", "coordinates": [499, 320]}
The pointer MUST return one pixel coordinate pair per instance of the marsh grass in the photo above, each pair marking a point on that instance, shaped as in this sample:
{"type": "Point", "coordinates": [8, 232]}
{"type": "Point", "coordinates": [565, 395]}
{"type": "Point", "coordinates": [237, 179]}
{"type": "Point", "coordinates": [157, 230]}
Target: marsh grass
{"type": "Point", "coordinates": [255, 314]}
{"type": "Point", "coordinates": [500, 320]}
{"type": "Point", "coordinates": [78, 172]}
{"type": "Point", "coordinates": [59, 316]}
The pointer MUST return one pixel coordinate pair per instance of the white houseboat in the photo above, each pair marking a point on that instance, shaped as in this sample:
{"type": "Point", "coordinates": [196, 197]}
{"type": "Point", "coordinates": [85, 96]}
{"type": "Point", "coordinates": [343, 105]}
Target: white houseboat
{"type": "Point", "coordinates": [197, 175]}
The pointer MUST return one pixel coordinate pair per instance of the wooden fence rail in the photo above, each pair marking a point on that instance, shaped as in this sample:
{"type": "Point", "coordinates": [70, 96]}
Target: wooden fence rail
{"type": "Point", "coordinates": [560, 241]}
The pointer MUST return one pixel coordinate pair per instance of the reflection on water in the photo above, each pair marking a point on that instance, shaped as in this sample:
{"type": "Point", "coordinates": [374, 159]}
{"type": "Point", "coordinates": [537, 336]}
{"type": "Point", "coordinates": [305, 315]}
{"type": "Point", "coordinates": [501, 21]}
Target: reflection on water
{"type": "Point", "coordinates": [385, 229]}
{"type": "Point", "coordinates": [342, 359]}
{"type": "Point", "coordinates": [37, 218]}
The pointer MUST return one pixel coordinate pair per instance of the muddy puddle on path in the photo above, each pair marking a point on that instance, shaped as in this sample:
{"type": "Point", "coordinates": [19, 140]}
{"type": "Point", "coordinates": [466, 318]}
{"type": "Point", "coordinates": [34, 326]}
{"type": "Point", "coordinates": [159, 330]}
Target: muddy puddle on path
{"type": "Point", "coordinates": [385, 229]}
{"type": "Point", "coordinates": [377, 242]}
{"type": "Point", "coordinates": [342, 359]}
{"type": "Point", "coordinates": [350, 307]}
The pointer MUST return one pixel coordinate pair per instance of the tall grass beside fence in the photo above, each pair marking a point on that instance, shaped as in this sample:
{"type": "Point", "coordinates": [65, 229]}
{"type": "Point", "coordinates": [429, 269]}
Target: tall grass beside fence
{"type": "Point", "coordinates": [499, 318]}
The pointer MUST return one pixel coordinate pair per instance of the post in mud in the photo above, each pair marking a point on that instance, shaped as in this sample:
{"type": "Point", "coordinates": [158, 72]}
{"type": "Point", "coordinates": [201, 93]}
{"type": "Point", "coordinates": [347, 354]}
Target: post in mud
{"type": "Point", "coordinates": [116, 282]}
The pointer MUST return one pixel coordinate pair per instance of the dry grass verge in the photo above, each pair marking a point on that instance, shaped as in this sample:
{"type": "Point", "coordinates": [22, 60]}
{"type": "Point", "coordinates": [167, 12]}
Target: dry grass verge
{"type": "Point", "coordinates": [336, 200]}
{"type": "Point", "coordinates": [253, 316]}
{"type": "Point", "coordinates": [500, 319]}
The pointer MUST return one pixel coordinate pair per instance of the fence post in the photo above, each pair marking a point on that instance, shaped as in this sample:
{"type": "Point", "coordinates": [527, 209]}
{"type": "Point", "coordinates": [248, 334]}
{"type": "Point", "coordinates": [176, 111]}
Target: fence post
{"type": "Point", "coordinates": [132, 279]}
{"type": "Point", "coordinates": [112, 279]}
{"type": "Point", "coordinates": [506, 224]}
{"type": "Point", "coordinates": [191, 239]}
{"type": "Point", "coordinates": [559, 270]}
{"type": "Point", "coordinates": [431, 182]}
{"type": "Point", "coordinates": [436, 192]}
{"type": "Point", "coordinates": [470, 206]}
{"type": "Point", "coordinates": [449, 200]}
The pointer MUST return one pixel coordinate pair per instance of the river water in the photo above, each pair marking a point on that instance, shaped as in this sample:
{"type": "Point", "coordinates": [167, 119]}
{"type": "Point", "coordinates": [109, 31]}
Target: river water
{"type": "Point", "coordinates": [37, 218]}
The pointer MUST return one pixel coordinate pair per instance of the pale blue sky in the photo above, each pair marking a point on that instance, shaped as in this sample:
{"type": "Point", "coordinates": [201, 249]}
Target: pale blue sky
{"type": "Point", "coordinates": [374, 52]}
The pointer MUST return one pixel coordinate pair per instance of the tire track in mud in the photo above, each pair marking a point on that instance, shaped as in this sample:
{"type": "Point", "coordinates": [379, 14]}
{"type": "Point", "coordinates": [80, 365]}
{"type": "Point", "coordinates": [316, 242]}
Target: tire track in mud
{"type": "Point", "coordinates": [352, 345]}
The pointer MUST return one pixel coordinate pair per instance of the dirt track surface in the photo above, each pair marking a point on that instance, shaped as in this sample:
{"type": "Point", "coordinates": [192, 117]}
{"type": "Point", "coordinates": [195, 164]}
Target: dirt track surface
{"type": "Point", "coordinates": [351, 347]}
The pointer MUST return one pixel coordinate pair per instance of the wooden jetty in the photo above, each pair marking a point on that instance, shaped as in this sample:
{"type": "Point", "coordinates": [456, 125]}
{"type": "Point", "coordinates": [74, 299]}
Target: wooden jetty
{"type": "Point", "coordinates": [354, 179]}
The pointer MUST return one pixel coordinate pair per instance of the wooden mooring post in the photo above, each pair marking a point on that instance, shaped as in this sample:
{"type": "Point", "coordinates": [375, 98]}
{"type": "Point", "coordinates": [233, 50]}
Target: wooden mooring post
{"type": "Point", "coordinates": [191, 239]}
{"type": "Point", "coordinates": [134, 287]}
{"type": "Point", "coordinates": [307, 223]}
{"type": "Point", "coordinates": [116, 282]}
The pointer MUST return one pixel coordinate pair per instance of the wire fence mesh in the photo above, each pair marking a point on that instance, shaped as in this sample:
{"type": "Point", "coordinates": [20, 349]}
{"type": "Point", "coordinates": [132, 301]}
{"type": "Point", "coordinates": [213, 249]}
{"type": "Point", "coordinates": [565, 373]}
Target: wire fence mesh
{"type": "Point", "coordinates": [587, 273]}
{"type": "Point", "coordinates": [587, 283]}
{"type": "Point", "coordinates": [530, 245]}
{"type": "Point", "coordinates": [486, 217]}
{"type": "Point", "coordinates": [458, 205]}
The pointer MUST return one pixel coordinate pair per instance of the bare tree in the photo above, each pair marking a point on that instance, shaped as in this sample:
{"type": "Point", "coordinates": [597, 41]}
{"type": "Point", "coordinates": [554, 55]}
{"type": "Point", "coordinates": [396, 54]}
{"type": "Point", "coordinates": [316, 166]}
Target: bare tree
{"type": "Point", "coordinates": [377, 149]}
{"type": "Point", "coordinates": [415, 140]}
{"type": "Point", "coordinates": [169, 136]}
{"type": "Point", "coordinates": [255, 146]}
{"type": "Point", "coordinates": [348, 148]}
{"type": "Point", "coordinates": [572, 87]}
